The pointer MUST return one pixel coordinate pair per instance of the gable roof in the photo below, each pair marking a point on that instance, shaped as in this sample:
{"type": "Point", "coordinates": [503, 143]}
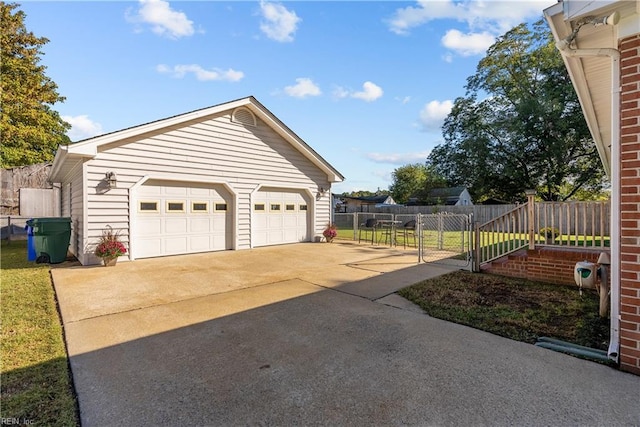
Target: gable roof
{"type": "Point", "coordinates": [372, 199]}
{"type": "Point", "coordinates": [68, 156]}
{"type": "Point", "coordinates": [446, 192]}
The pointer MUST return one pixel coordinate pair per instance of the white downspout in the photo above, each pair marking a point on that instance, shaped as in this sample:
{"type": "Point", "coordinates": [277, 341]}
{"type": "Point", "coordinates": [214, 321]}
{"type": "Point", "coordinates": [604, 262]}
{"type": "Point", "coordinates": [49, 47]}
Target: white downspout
{"type": "Point", "coordinates": [614, 54]}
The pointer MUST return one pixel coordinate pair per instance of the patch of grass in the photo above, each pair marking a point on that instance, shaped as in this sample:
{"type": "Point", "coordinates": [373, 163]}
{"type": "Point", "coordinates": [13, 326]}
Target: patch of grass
{"type": "Point", "coordinates": [36, 382]}
{"type": "Point", "coordinates": [518, 309]}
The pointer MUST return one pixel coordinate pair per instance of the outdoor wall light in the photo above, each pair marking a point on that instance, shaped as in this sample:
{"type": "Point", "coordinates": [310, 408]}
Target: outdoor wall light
{"type": "Point", "coordinates": [321, 192]}
{"type": "Point", "coordinates": [111, 179]}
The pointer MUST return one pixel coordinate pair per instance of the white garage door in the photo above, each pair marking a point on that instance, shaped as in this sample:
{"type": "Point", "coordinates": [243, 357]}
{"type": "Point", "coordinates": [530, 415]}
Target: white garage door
{"type": "Point", "coordinates": [279, 216]}
{"type": "Point", "coordinates": [181, 218]}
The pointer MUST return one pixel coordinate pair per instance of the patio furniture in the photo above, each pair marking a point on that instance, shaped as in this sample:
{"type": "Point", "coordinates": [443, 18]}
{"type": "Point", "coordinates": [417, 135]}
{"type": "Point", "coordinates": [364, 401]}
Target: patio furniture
{"type": "Point", "coordinates": [409, 230]}
{"type": "Point", "coordinates": [370, 225]}
{"type": "Point", "coordinates": [388, 227]}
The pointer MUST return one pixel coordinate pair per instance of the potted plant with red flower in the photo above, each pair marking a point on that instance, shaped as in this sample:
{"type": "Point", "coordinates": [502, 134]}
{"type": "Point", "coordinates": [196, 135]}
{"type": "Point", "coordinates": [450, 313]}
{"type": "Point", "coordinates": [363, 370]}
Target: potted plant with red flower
{"type": "Point", "coordinates": [330, 232]}
{"type": "Point", "coordinates": [110, 247]}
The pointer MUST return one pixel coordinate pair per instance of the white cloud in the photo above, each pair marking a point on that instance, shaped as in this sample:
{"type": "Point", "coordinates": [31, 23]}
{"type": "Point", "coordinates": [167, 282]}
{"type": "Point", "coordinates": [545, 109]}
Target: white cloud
{"type": "Point", "coordinates": [399, 158]}
{"type": "Point", "coordinates": [203, 75]}
{"type": "Point", "coordinates": [433, 114]}
{"type": "Point", "coordinates": [404, 100]}
{"type": "Point", "coordinates": [483, 20]}
{"type": "Point", "coordinates": [340, 92]}
{"type": "Point", "coordinates": [370, 92]}
{"type": "Point", "coordinates": [164, 21]}
{"type": "Point", "coordinates": [501, 15]}
{"type": "Point", "coordinates": [82, 127]}
{"type": "Point", "coordinates": [468, 44]}
{"type": "Point", "coordinates": [304, 87]}
{"type": "Point", "coordinates": [279, 23]}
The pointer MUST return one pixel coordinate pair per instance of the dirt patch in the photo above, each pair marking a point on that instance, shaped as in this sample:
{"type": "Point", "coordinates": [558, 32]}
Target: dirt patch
{"type": "Point", "coordinates": [515, 308]}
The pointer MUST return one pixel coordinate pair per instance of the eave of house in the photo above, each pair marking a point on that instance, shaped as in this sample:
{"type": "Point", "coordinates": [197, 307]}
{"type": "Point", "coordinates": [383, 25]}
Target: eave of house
{"type": "Point", "coordinates": [591, 75]}
{"type": "Point", "coordinates": [67, 157]}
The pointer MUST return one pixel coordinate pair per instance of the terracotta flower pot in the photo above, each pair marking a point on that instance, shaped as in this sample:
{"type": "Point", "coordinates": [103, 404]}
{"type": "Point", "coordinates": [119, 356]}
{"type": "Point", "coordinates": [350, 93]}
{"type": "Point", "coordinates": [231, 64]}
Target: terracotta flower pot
{"type": "Point", "coordinates": [109, 262]}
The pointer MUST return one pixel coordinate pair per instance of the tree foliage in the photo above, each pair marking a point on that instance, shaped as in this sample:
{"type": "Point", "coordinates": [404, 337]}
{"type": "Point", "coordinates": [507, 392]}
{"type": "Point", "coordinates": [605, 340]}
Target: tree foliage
{"type": "Point", "coordinates": [519, 125]}
{"type": "Point", "coordinates": [414, 181]}
{"type": "Point", "coordinates": [30, 129]}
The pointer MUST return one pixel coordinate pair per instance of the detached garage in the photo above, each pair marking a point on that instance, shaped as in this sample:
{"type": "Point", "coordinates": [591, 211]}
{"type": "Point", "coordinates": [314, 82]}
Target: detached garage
{"type": "Point", "coordinates": [232, 176]}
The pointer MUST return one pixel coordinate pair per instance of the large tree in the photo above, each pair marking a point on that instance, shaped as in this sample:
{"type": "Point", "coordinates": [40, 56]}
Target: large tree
{"type": "Point", "coordinates": [30, 130]}
{"type": "Point", "coordinates": [414, 181]}
{"type": "Point", "coordinates": [519, 125]}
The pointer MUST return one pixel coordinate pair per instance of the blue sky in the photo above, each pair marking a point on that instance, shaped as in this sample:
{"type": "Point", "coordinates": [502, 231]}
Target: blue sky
{"type": "Point", "coordinates": [366, 83]}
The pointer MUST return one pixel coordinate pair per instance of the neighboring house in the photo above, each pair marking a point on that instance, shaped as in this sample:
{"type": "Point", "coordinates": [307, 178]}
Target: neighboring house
{"type": "Point", "coordinates": [365, 203]}
{"type": "Point", "coordinates": [231, 176]}
{"type": "Point", "coordinates": [451, 196]}
{"type": "Point", "coordinates": [600, 44]}
{"type": "Point", "coordinates": [338, 204]}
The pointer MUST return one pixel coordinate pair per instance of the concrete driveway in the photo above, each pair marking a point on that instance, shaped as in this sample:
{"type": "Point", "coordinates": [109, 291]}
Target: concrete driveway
{"type": "Point", "coordinates": [307, 334]}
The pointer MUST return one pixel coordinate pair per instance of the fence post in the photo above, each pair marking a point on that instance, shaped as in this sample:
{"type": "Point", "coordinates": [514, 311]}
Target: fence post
{"type": "Point", "coordinates": [476, 248]}
{"type": "Point", "coordinates": [531, 195]}
{"type": "Point", "coordinates": [355, 225]}
{"type": "Point", "coordinates": [419, 231]}
{"type": "Point", "coordinates": [440, 231]}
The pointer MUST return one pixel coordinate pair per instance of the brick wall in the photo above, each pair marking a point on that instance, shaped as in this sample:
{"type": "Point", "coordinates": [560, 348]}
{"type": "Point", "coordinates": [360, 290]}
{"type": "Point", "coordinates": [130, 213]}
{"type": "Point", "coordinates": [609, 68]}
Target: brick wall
{"type": "Point", "coordinates": [630, 204]}
{"type": "Point", "coordinates": [545, 264]}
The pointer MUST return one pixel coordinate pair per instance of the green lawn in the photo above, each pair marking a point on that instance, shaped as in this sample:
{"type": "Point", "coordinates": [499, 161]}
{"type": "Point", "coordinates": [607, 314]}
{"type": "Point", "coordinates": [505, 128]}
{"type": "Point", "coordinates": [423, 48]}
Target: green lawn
{"type": "Point", "coordinates": [36, 381]}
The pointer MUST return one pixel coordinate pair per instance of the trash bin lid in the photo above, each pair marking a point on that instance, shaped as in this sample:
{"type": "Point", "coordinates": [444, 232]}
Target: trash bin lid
{"type": "Point", "coordinates": [36, 221]}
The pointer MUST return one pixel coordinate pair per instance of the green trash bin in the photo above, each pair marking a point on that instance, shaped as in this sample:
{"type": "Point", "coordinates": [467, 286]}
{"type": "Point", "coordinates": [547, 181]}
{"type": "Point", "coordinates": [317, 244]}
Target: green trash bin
{"type": "Point", "coordinates": [51, 238]}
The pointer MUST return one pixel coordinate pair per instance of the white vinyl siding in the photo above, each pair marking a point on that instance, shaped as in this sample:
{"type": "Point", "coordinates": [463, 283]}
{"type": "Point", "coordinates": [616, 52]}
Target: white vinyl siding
{"type": "Point", "coordinates": [74, 204]}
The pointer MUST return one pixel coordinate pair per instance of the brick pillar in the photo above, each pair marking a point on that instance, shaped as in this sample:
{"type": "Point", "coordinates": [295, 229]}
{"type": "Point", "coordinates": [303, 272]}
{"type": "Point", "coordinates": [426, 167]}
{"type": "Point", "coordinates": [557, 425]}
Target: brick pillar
{"type": "Point", "coordinates": [630, 204]}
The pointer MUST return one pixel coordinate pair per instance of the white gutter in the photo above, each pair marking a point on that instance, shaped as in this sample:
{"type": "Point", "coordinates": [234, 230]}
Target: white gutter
{"type": "Point", "coordinates": [614, 54]}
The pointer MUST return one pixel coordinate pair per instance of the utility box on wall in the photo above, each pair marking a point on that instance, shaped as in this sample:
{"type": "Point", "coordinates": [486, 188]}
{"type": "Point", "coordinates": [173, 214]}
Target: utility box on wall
{"type": "Point", "coordinates": [584, 274]}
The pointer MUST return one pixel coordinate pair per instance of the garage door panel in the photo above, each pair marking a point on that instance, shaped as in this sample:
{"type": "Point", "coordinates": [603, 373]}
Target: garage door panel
{"type": "Point", "coordinates": [175, 245]}
{"type": "Point", "coordinates": [200, 225]}
{"type": "Point", "coordinates": [176, 191]}
{"type": "Point", "coordinates": [199, 243]}
{"type": "Point", "coordinates": [206, 192]}
{"type": "Point", "coordinates": [219, 225]}
{"type": "Point", "coordinates": [275, 221]}
{"type": "Point", "coordinates": [146, 247]}
{"type": "Point", "coordinates": [287, 225]}
{"type": "Point", "coordinates": [290, 221]}
{"type": "Point", "coordinates": [151, 226]}
{"type": "Point", "coordinates": [175, 225]}
{"type": "Point", "coordinates": [199, 228]}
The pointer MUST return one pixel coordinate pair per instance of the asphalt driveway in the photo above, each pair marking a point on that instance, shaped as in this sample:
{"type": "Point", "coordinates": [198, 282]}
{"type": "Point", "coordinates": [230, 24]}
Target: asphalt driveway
{"type": "Point", "coordinates": [307, 334]}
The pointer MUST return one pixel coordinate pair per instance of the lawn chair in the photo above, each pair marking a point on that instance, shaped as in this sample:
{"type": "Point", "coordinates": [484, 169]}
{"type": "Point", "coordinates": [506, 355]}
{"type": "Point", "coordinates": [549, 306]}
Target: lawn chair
{"type": "Point", "coordinates": [409, 230]}
{"type": "Point", "coordinates": [369, 225]}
